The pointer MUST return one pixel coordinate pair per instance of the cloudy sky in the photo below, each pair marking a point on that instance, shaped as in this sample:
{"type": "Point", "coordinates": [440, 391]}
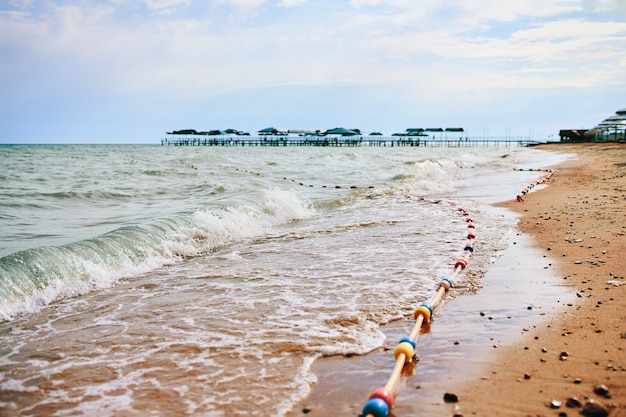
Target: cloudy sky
{"type": "Point", "coordinates": [112, 71]}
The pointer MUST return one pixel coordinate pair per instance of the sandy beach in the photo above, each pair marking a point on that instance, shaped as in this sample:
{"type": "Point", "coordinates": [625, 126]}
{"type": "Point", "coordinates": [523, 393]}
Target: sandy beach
{"type": "Point", "coordinates": [525, 346]}
{"type": "Point", "coordinates": [578, 355]}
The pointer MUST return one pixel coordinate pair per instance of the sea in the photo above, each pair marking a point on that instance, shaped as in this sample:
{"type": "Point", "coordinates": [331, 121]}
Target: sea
{"type": "Point", "coordinates": [141, 280]}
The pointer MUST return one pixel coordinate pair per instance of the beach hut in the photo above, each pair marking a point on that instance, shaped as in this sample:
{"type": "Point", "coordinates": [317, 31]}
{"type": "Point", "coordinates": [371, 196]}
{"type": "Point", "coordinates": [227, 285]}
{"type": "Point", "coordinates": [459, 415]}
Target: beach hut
{"type": "Point", "coordinates": [573, 135]}
{"type": "Point", "coordinates": [273, 131]}
{"type": "Point", "coordinates": [184, 132]}
{"type": "Point", "coordinates": [434, 131]}
{"type": "Point", "coordinates": [454, 130]}
{"type": "Point", "coordinates": [343, 132]}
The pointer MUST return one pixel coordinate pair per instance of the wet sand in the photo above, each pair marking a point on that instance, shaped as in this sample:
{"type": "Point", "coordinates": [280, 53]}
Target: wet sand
{"type": "Point", "coordinates": [548, 325]}
{"type": "Point", "coordinates": [579, 222]}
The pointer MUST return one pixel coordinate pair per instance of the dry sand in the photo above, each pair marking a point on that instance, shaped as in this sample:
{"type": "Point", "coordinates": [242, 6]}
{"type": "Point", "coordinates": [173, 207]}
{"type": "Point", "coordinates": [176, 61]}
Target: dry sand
{"type": "Point", "coordinates": [579, 222]}
{"type": "Point", "coordinates": [578, 227]}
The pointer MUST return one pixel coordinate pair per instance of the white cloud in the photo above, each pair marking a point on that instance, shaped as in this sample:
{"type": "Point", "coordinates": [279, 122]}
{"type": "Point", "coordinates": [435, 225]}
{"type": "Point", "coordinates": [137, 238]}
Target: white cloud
{"type": "Point", "coordinates": [426, 49]}
{"type": "Point", "coordinates": [362, 3]}
{"type": "Point", "coordinates": [604, 5]}
{"type": "Point", "coordinates": [292, 3]}
{"type": "Point", "coordinates": [243, 4]}
{"type": "Point", "coordinates": [21, 4]}
{"type": "Point", "coordinates": [164, 5]}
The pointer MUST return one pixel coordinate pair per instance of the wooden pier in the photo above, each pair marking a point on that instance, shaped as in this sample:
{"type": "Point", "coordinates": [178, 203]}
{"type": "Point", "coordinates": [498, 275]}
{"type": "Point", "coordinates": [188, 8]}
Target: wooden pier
{"type": "Point", "coordinates": [349, 141]}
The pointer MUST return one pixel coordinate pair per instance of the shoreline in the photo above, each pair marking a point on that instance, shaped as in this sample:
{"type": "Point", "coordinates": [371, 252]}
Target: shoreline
{"type": "Point", "coordinates": [579, 223]}
{"type": "Point", "coordinates": [479, 365]}
{"type": "Point", "coordinates": [470, 326]}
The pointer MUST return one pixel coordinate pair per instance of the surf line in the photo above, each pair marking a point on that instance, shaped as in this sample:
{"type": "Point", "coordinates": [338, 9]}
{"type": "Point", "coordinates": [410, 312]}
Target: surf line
{"type": "Point", "coordinates": [520, 196]}
{"type": "Point", "coordinates": [382, 399]}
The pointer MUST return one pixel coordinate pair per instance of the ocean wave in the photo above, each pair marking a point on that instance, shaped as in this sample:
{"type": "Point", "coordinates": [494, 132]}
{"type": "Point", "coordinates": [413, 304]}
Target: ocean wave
{"type": "Point", "coordinates": [68, 195]}
{"type": "Point", "coordinates": [33, 278]}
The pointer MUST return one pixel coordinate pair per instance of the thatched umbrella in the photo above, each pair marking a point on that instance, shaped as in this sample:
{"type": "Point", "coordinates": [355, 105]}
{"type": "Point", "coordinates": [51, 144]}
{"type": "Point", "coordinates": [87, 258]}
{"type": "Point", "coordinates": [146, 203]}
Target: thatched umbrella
{"type": "Point", "coordinates": [341, 131]}
{"type": "Point", "coordinates": [272, 131]}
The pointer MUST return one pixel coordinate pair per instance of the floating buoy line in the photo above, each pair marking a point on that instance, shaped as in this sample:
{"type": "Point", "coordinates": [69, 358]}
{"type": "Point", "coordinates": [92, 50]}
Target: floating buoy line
{"type": "Point", "coordinates": [382, 399]}
{"type": "Point", "coordinates": [520, 196]}
{"type": "Point", "coordinates": [300, 183]}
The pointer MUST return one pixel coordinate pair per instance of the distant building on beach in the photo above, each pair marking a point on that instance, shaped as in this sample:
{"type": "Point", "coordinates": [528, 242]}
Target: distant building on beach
{"type": "Point", "coordinates": [574, 135]}
{"type": "Point", "coordinates": [274, 131]}
{"type": "Point", "coordinates": [611, 129]}
{"type": "Point", "coordinates": [209, 132]}
{"type": "Point", "coordinates": [432, 132]}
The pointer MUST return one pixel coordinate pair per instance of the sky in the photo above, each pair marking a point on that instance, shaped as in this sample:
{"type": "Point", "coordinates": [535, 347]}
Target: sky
{"type": "Point", "coordinates": [128, 71]}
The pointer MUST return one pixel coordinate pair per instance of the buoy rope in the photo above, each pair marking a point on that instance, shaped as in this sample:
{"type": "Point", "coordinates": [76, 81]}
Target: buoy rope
{"type": "Point", "coordinates": [520, 196]}
{"type": "Point", "coordinates": [301, 183]}
{"type": "Point", "coordinates": [382, 399]}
